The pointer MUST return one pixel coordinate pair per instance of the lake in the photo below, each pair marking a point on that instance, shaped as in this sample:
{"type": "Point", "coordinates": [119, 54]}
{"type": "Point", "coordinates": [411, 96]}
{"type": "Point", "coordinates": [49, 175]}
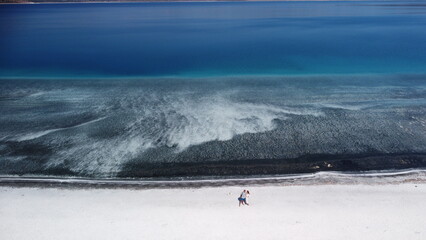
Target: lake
{"type": "Point", "coordinates": [140, 90]}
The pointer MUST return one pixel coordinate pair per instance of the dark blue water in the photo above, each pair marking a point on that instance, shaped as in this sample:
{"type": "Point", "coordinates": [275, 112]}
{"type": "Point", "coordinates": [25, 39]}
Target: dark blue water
{"type": "Point", "coordinates": [211, 89]}
{"type": "Point", "coordinates": [205, 39]}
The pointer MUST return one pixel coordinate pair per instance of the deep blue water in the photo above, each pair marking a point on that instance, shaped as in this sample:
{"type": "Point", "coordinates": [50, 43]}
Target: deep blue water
{"type": "Point", "coordinates": [205, 39]}
{"type": "Point", "coordinates": [202, 89]}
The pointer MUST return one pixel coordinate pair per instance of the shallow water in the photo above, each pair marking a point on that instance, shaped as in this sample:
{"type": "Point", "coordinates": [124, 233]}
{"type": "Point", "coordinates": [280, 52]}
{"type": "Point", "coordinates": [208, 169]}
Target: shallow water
{"type": "Point", "coordinates": [109, 127]}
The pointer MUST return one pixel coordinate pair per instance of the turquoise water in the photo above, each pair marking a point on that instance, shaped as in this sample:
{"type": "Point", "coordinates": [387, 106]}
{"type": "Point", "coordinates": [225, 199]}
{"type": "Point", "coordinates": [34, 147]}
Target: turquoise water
{"type": "Point", "coordinates": [211, 39]}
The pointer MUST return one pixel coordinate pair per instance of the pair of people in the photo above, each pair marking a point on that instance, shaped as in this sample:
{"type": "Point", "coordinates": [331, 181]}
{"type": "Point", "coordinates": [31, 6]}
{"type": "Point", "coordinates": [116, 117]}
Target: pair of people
{"type": "Point", "coordinates": [243, 198]}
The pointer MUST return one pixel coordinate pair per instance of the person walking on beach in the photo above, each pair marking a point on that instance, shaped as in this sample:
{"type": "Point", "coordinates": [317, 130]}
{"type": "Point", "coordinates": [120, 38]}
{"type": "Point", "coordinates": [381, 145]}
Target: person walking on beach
{"type": "Point", "coordinates": [243, 198]}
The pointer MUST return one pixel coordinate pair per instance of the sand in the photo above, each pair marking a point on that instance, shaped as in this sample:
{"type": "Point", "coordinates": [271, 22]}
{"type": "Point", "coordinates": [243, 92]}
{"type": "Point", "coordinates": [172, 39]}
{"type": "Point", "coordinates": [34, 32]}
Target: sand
{"type": "Point", "coordinates": [275, 212]}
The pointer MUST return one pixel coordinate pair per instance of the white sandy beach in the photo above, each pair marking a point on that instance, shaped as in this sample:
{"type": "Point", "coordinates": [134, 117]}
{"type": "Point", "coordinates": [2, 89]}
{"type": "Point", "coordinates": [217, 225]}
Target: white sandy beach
{"type": "Point", "coordinates": [276, 212]}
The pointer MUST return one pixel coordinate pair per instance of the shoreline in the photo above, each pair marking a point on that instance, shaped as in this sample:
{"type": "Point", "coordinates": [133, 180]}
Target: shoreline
{"type": "Point", "coordinates": [311, 179]}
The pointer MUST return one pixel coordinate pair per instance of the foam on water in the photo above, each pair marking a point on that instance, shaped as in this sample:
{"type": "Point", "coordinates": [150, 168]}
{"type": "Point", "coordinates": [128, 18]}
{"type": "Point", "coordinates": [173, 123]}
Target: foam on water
{"type": "Point", "coordinates": [34, 135]}
{"type": "Point", "coordinates": [172, 122]}
{"type": "Point", "coordinates": [184, 122]}
{"type": "Point", "coordinates": [97, 128]}
{"type": "Point", "coordinates": [345, 106]}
